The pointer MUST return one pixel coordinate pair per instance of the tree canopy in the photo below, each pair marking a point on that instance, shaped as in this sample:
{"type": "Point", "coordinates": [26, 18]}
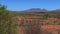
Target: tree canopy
{"type": "Point", "coordinates": [8, 25]}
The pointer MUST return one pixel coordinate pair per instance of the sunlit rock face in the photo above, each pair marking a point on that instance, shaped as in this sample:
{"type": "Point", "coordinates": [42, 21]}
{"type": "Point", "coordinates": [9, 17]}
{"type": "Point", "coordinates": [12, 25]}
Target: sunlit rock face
{"type": "Point", "coordinates": [53, 29]}
{"type": "Point", "coordinates": [50, 29]}
{"type": "Point", "coordinates": [49, 26]}
{"type": "Point", "coordinates": [35, 19]}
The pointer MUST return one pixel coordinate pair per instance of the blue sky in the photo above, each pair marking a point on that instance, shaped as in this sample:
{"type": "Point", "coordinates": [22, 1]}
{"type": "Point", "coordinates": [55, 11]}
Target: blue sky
{"type": "Point", "coordinates": [27, 4]}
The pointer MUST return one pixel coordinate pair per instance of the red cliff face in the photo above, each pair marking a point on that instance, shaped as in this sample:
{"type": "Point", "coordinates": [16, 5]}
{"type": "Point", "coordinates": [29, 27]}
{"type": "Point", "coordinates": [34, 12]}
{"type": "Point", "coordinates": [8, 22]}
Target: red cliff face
{"type": "Point", "coordinates": [54, 29]}
{"type": "Point", "coordinates": [21, 30]}
{"type": "Point", "coordinates": [49, 21]}
{"type": "Point", "coordinates": [49, 25]}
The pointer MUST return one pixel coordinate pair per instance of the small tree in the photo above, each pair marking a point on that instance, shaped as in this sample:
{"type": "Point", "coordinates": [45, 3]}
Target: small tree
{"type": "Point", "coordinates": [7, 23]}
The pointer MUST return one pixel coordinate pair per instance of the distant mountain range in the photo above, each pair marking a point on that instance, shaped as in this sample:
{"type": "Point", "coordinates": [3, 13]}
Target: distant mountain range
{"type": "Point", "coordinates": [36, 10]}
{"type": "Point", "coordinates": [57, 10]}
{"type": "Point", "coordinates": [39, 10]}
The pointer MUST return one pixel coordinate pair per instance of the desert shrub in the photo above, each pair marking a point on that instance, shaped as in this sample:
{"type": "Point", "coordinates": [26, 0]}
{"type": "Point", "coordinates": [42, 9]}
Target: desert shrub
{"type": "Point", "coordinates": [8, 24]}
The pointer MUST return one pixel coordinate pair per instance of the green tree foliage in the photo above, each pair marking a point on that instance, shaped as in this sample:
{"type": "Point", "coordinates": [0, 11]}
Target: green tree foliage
{"type": "Point", "coordinates": [8, 24]}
